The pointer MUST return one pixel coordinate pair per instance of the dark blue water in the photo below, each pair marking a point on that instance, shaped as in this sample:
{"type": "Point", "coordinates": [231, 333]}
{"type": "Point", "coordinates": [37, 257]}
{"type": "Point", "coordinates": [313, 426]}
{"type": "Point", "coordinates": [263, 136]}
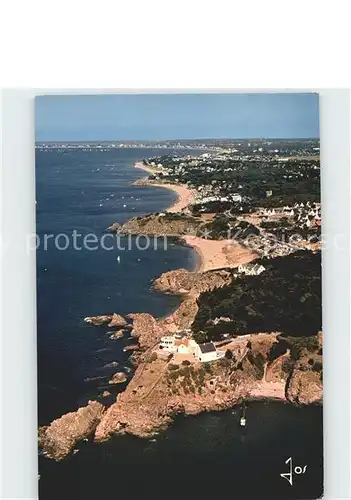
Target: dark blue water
{"type": "Point", "coordinates": [198, 457]}
{"type": "Point", "coordinates": [86, 192]}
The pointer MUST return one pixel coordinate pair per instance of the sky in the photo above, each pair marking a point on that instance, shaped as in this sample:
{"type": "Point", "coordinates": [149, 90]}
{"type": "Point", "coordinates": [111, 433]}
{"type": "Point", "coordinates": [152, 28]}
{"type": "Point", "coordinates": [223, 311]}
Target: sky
{"type": "Point", "coordinates": [176, 116]}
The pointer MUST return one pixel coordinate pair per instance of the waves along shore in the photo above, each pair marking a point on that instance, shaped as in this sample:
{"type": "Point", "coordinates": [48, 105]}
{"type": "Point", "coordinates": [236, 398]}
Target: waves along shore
{"type": "Point", "coordinates": [165, 384]}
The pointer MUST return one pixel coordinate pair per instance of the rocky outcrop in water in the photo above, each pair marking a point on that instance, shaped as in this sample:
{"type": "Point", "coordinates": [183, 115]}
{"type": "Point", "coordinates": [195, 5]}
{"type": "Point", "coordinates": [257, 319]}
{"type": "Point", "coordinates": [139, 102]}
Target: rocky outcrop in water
{"type": "Point", "coordinates": [60, 437]}
{"type": "Point", "coordinates": [118, 334]}
{"type": "Point", "coordinates": [112, 320]}
{"type": "Point", "coordinates": [98, 320]}
{"type": "Point", "coordinates": [117, 320]}
{"type": "Point", "coordinates": [133, 347]}
{"type": "Point", "coordinates": [118, 378]}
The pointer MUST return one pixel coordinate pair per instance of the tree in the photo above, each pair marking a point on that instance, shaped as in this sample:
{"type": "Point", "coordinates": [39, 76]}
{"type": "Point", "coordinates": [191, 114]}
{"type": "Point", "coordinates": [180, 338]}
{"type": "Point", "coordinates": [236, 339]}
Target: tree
{"type": "Point", "coordinates": [317, 367]}
{"type": "Point", "coordinates": [229, 354]}
{"type": "Point", "coordinates": [200, 337]}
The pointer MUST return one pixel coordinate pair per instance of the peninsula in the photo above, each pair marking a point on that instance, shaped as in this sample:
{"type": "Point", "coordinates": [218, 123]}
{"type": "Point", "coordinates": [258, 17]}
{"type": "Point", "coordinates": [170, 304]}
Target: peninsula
{"type": "Point", "coordinates": [249, 323]}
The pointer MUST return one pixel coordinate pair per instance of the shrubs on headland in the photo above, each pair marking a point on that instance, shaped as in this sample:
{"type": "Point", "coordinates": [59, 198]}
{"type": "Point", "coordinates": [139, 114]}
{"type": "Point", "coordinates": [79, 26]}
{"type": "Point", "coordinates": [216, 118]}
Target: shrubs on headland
{"type": "Point", "coordinates": [228, 354]}
{"type": "Point", "coordinates": [173, 366]}
{"type": "Point", "coordinates": [317, 367]}
{"type": "Point", "coordinates": [152, 357]}
{"type": "Point", "coordinates": [285, 298]}
{"type": "Point", "coordinates": [258, 361]}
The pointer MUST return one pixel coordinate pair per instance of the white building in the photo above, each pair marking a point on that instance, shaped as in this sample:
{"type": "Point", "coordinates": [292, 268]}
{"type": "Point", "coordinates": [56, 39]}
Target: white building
{"type": "Point", "coordinates": [206, 352]}
{"type": "Point", "coordinates": [178, 343]}
{"type": "Point", "coordinates": [251, 269]}
{"type": "Point", "coordinates": [167, 344]}
{"type": "Point", "coordinates": [236, 197]}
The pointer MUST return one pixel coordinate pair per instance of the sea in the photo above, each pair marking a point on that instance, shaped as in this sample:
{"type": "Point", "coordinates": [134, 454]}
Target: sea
{"type": "Point", "coordinates": [79, 194]}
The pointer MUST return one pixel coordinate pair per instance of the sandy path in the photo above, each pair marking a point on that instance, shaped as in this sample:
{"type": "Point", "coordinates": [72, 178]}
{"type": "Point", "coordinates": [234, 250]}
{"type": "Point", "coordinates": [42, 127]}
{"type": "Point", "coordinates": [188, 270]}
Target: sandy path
{"type": "Point", "coordinates": [265, 389]}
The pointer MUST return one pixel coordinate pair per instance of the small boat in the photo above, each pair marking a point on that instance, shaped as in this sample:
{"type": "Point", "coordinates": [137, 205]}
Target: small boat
{"type": "Point", "coordinates": [118, 259]}
{"type": "Point", "coordinates": [243, 417]}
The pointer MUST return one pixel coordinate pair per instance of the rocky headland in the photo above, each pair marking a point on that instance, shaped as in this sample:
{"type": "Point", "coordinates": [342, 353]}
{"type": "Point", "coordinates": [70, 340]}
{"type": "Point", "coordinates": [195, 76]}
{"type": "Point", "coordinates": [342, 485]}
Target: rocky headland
{"type": "Point", "coordinates": [163, 224]}
{"type": "Point", "coordinates": [163, 387]}
{"type": "Point", "coordinates": [255, 366]}
{"type": "Point", "coordinates": [60, 437]}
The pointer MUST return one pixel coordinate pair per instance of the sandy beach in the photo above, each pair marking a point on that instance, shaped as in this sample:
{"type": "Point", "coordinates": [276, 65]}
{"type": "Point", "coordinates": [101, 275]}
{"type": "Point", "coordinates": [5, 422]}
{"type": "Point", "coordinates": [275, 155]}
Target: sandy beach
{"type": "Point", "coordinates": [215, 254]}
{"type": "Point", "coordinates": [185, 195]}
{"type": "Point", "coordinates": [140, 164]}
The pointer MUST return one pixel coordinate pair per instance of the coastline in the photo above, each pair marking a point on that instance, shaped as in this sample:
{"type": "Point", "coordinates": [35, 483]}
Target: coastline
{"type": "Point", "coordinates": [218, 254]}
{"type": "Point", "coordinates": [145, 406]}
{"type": "Point", "coordinates": [185, 196]}
{"type": "Point", "coordinates": [211, 254]}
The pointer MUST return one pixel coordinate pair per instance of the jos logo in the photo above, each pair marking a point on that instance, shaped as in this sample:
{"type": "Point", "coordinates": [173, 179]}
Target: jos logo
{"type": "Point", "coordinates": [293, 470]}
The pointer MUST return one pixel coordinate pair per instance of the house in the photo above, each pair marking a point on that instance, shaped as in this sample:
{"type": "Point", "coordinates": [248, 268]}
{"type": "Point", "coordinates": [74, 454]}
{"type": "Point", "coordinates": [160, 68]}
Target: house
{"type": "Point", "coordinates": [178, 343]}
{"type": "Point", "coordinates": [251, 269]}
{"type": "Point", "coordinates": [167, 344]}
{"type": "Point", "coordinates": [206, 352]}
{"type": "Point", "coordinates": [236, 197]}
{"type": "Point", "coordinates": [184, 344]}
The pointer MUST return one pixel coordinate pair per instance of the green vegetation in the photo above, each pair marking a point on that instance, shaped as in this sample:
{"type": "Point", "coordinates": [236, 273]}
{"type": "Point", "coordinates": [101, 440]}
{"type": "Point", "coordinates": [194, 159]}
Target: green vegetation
{"type": "Point", "coordinates": [317, 367]}
{"type": "Point", "coordinates": [285, 298]}
{"type": "Point", "coordinates": [187, 378]}
{"type": "Point", "coordinates": [298, 344]}
{"type": "Point", "coordinates": [229, 354]}
{"type": "Point", "coordinates": [173, 366]}
{"type": "Point", "coordinates": [258, 361]}
{"type": "Point", "coordinates": [152, 358]}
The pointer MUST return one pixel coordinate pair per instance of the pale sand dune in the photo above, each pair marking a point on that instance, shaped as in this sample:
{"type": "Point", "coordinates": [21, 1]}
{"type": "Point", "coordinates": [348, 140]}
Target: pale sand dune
{"type": "Point", "coordinates": [217, 254]}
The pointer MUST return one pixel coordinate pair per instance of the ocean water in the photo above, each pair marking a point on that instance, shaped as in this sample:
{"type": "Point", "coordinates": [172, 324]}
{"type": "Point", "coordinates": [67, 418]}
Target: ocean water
{"type": "Point", "coordinates": [86, 192]}
{"type": "Point", "coordinates": [197, 457]}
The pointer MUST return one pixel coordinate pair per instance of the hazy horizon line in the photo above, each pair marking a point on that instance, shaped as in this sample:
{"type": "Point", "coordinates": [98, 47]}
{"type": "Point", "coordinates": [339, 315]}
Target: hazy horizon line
{"type": "Point", "coordinates": [184, 140]}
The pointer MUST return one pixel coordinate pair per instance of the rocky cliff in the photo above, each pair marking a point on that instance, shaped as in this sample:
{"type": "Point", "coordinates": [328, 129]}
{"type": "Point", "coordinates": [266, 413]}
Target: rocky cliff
{"type": "Point", "coordinates": [159, 225]}
{"type": "Point", "coordinates": [60, 437]}
{"type": "Point", "coordinates": [182, 281]}
{"type": "Point", "coordinates": [163, 387]}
